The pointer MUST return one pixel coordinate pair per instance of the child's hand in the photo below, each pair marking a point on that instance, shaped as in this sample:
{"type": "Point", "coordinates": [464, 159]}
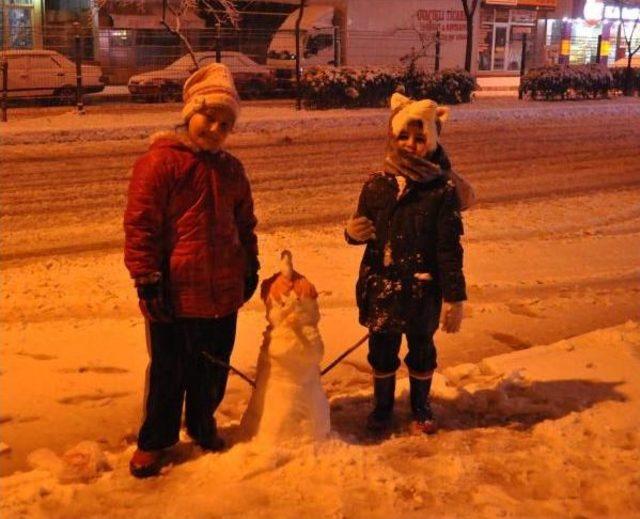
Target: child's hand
{"type": "Point", "coordinates": [451, 317]}
{"type": "Point", "coordinates": [153, 302]}
{"type": "Point", "coordinates": [360, 228]}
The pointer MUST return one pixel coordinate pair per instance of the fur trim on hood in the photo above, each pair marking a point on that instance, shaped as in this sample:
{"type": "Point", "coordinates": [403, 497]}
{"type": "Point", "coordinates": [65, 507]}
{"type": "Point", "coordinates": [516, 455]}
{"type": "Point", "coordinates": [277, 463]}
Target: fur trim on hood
{"type": "Point", "coordinates": [178, 136]}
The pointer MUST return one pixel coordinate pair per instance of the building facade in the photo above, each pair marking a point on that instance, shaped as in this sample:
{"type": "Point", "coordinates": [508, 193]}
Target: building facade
{"type": "Point", "coordinates": [126, 36]}
{"type": "Point", "coordinates": [573, 31]}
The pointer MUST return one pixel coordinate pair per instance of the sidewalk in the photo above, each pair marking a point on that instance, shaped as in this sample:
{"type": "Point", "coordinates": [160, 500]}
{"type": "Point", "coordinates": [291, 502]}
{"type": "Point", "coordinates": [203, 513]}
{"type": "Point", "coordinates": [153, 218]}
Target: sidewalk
{"type": "Point", "coordinates": [106, 125]}
{"type": "Point", "coordinates": [498, 86]}
{"type": "Point", "coordinates": [490, 86]}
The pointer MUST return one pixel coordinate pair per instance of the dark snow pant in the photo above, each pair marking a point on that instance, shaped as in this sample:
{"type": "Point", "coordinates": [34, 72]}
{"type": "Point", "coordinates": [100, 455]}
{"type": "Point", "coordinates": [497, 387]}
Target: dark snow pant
{"type": "Point", "coordinates": [179, 372]}
{"type": "Point", "coordinates": [385, 346]}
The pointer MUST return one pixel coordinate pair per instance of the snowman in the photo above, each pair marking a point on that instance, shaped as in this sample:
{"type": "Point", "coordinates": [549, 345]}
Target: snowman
{"type": "Point", "coordinates": [288, 404]}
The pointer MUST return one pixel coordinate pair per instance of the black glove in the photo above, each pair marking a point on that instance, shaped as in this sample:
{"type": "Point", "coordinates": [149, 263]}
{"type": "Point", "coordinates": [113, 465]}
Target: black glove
{"type": "Point", "coordinates": [154, 303]}
{"type": "Point", "coordinates": [251, 279]}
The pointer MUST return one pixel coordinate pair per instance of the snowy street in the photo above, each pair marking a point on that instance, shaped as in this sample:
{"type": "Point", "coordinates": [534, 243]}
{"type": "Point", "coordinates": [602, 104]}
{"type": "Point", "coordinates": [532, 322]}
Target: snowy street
{"type": "Point", "coordinates": [551, 253]}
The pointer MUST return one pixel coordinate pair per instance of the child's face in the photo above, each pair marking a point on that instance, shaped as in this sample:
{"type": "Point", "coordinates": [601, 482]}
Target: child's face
{"type": "Point", "coordinates": [412, 139]}
{"type": "Point", "coordinates": [210, 127]}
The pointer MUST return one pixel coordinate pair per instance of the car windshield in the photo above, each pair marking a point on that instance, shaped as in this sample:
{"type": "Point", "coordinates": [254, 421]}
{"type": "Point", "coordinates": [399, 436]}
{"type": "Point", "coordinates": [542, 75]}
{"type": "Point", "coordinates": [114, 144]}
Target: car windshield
{"type": "Point", "coordinates": [184, 63]}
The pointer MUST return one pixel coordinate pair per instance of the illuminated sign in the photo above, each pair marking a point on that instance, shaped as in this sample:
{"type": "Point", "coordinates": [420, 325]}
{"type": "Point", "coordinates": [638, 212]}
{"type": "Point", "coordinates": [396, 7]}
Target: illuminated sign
{"type": "Point", "coordinates": [592, 11]}
{"type": "Point", "coordinates": [612, 12]}
{"type": "Point", "coordinates": [547, 4]}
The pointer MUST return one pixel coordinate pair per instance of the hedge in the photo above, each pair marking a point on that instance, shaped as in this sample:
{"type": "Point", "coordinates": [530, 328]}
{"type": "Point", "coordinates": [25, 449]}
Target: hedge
{"type": "Point", "coordinates": [351, 87]}
{"type": "Point", "coordinates": [620, 79]}
{"type": "Point", "coordinates": [567, 81]}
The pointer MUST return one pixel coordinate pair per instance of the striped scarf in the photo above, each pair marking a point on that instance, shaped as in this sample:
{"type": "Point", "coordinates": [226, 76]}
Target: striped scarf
{"type": "Point", "coordinates": [400, 162]}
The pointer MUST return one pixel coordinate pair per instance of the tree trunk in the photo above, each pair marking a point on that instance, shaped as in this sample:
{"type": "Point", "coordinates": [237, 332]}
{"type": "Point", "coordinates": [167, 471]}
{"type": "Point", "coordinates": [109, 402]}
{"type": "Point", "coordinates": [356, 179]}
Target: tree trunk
{"type": "Point", "coordinates": [628, 90]}
{"type": "Point", "coordinates": [469, 49]}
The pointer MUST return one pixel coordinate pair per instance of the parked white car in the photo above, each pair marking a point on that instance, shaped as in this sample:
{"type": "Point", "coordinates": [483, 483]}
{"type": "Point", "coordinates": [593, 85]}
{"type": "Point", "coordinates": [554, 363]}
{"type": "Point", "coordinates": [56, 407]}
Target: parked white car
{"type": "Point", "coordinates": [251, 78]}
{"type": "Point", "coordinates": [43, 73]}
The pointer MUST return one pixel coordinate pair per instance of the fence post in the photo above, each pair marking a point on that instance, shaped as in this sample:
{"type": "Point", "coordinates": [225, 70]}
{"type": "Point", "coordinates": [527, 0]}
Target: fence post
{"type": "Point", "coordinates": [523, 64]}
{"type": "Point", "coordinates": [298, 49]}
{"type": "Point", "coordinates": [437, 64]}
{"type": "Point", "coordinates": [599, 49]}
{"type": "Point", "coordinates": [78, 56]}
{"type": "Point", "coordinates": [5, 86]}
{"type": "Point", "coordinates": [218, 43]}
{"type": "Point", "coordinates": [336, 46]}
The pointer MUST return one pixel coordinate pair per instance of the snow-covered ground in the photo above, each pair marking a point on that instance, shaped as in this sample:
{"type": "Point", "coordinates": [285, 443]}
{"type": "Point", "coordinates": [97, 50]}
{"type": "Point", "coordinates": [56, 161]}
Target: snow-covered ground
{"type": "Point", "coordinates": [538, 396]}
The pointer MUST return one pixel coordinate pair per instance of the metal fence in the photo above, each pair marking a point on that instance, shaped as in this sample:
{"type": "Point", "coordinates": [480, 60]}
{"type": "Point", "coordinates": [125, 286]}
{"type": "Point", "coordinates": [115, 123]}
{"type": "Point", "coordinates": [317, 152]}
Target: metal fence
{"type": "Point", "coordinates": [152, 64]}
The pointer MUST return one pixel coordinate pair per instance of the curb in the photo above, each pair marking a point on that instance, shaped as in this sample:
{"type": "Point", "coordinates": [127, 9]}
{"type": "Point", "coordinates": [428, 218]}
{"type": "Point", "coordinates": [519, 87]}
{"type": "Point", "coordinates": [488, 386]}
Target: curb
{"type": "Point", "coordinates": [305, 121]}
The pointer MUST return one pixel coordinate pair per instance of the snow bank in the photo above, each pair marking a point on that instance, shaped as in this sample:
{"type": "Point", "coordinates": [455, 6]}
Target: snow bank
{"type": "Point", "coordinates": [71, 127]}
{"type": "Point", "coordinates": [550, 431]}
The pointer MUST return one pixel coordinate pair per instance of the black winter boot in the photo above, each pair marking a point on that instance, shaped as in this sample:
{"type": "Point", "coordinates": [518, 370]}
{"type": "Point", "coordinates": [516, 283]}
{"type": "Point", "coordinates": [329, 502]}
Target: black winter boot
{"type": "Point", "coordinates": [384, 388]}
{"type": "Point", "coordinates": [422, 422]}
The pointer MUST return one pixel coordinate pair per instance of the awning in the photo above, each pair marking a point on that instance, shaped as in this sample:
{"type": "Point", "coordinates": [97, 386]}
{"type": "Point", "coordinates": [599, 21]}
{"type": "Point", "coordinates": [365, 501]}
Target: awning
{"type": "Point", "coordinates": [152, 21]}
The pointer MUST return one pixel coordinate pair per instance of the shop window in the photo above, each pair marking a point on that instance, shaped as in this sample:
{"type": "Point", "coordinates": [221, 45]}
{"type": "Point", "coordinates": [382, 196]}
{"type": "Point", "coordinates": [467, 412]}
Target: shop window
{"type": "Point", "coordinates": [502, 15]}
{"type": "Point", "coordinates": [16, 24]}
{"type": "Point", "coordinates": [485, 46]}
{"type": "Point", "coordinates": [500, 37]}
{"type": "Point", "coordinates": [520, 16]}
{"type": "Point", "coordinates": [120, 38]}
{"type": "Point", "coordinates": [20, 29]}
{"type": "Point", "coordinates": [316, 43]}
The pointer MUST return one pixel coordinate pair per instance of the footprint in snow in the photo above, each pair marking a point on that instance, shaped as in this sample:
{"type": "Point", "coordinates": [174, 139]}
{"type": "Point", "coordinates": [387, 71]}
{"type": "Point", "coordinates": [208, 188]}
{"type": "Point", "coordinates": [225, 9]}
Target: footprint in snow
{"type": "Point", "coordinates": [36, 356]}
{"type": "Point", "coordinates": [96, 397]}
{"type": "Point", "coordinates": [95, 369]}
{"type": "Point", "coordinates": [515, 343]}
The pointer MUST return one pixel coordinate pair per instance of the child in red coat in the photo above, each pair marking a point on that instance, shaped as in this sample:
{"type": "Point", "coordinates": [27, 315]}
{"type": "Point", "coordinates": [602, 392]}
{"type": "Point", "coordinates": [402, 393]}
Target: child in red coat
{"type": "Point", "coordinates": [191, 249]}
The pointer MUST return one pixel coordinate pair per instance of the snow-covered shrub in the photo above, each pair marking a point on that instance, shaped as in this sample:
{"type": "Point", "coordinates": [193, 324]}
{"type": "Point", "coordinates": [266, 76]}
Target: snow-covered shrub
{"type": "Point", "coordinates": [450, 86]}
{"type": "Point", "coordinates": [591, 81]}
{"type": "Point", "coordinates": [351, 87]}
{"type": "Point", "coordinates": [620, 78]}
{"type": "Point", "coordinates": [564, 81]}
{"type": "Point", "coordinates": [348, 87]}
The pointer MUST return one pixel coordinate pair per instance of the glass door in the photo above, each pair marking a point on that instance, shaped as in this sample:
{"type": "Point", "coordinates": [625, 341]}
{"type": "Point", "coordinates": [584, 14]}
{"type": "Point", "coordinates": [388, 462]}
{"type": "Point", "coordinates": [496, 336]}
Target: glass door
{"type": "Point", "coordinates": [500, 45]}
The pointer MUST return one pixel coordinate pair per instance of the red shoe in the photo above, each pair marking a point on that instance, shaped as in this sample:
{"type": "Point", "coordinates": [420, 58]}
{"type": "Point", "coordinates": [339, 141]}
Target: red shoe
{"type": "Point", "coordinates": [418, 427]}
{"type": "Point", "coordinates": [145, 464]}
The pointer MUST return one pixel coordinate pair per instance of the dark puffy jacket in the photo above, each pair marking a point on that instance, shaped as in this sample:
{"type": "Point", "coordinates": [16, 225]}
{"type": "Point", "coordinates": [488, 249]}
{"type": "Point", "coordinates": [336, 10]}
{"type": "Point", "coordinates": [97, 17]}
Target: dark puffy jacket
{"type": "Point", "coordinates": [421, 234]}
{"type": "Point", "coordinates": [190, 216]}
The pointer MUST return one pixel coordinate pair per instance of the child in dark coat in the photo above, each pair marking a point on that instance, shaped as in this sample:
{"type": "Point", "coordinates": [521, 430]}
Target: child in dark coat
{"type": "Point", "coordinates": [408, 217]}
{"type": "Point", "coordinates": [191, 249]}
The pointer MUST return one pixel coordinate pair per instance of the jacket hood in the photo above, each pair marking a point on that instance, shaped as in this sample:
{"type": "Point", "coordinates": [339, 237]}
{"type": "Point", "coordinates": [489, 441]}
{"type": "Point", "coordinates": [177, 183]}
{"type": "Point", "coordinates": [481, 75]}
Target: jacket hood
{"type": "Point", "coordinates": [173, 139]}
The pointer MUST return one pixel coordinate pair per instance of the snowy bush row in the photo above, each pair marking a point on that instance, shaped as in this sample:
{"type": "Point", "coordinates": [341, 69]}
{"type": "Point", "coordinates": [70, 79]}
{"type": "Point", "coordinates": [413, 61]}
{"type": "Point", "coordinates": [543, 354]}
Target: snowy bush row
{"type": "Point", "coordinates": [570, 81]}
{"type": "Point", "coordinates": [350, 87]}
{"type": "Point", "coordinates": [620, 79]}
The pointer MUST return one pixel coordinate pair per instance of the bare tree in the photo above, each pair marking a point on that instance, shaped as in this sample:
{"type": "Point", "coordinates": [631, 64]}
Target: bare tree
{"type": "Point", "coordinates": [469, 11]}
{"type": "Point", "coordinates": [428, 47]}
{"type": "Point", "coordinates": [628, 38]}
{"type": "Point", "coordinates": [224, 12]}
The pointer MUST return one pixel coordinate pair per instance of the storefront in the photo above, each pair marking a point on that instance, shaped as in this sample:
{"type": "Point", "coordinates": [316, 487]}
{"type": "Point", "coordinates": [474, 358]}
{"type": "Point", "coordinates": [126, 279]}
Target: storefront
{"type": "Point", "coordinates": [575, 39]}
{"type": "Point", "coordinates": [503, 26]}
{"type": "Point", "coordinates": [21, 24]}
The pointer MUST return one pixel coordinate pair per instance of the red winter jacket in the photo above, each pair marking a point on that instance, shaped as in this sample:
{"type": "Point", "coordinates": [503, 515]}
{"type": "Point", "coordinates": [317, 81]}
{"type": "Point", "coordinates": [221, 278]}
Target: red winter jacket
{"type": "Point", "coordinates": [190, 216]}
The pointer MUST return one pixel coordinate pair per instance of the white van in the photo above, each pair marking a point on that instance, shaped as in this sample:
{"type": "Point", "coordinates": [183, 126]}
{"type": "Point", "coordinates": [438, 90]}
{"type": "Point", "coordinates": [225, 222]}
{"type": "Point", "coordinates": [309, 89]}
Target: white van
{"type": "Point", "coordinates": [41, 73]}
{"type": "Point", "coordinates": [317, 45]}
{"type": "Point", "coordinates": [359, 33]}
